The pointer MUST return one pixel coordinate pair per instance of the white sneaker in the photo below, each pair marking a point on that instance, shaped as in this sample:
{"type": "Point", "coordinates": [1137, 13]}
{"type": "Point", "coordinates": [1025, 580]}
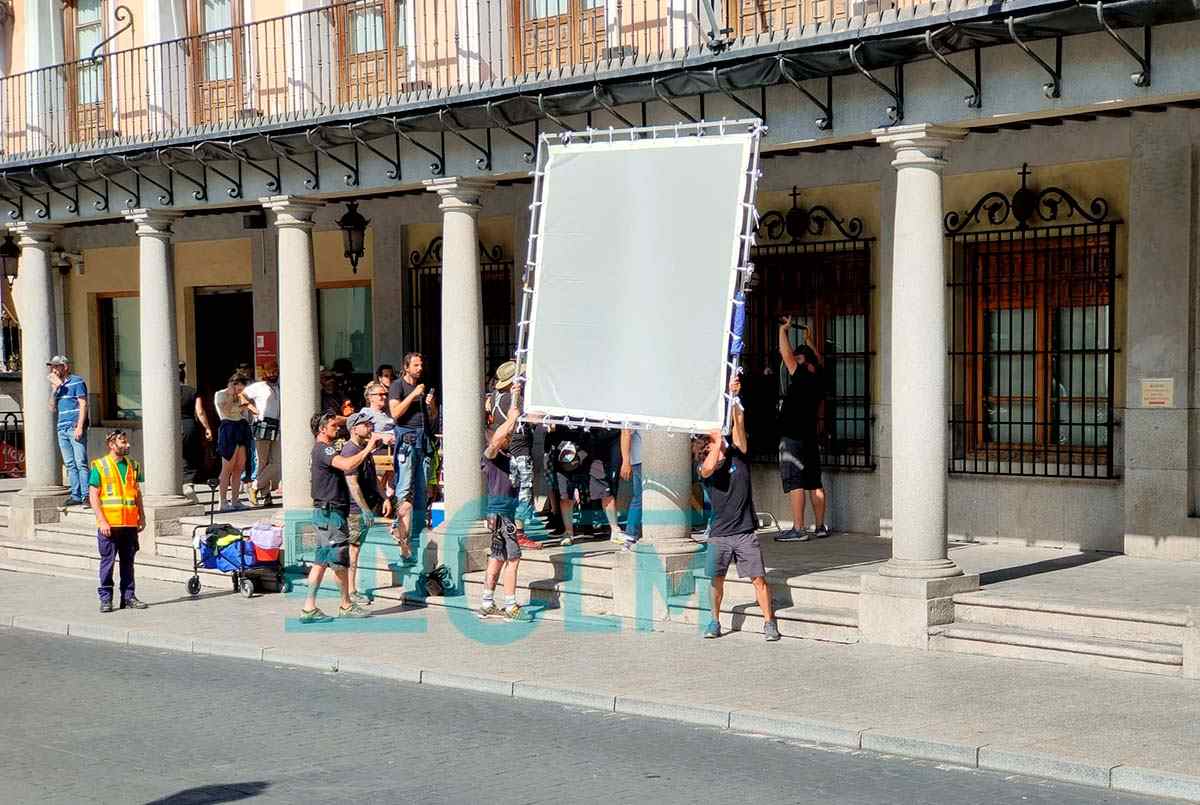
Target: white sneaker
{"type": "Point", "coordinates": [567, 539]}
{"type": "Point", "coordinates": [618, 538]}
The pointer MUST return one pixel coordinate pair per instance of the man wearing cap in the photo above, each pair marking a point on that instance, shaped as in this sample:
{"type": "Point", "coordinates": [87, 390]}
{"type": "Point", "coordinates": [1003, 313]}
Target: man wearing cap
{"type": "Point", "coordinates": [366, 494]}
{"type": "Point", "coordinates": [519, 449]}
{"type": "Point", "coordinates": [331, 517]}
{"type": "Point", "coordinates": [69, 400]}
{"type": "Point", "coordinates": [116, 499]}
{"type": "Point", "coordinates": [264, 394]}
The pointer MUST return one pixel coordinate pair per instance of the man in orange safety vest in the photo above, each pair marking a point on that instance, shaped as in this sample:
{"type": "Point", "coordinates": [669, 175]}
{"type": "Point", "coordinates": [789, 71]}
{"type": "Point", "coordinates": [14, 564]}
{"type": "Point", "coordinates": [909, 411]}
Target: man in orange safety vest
{"type": "Point", "coordinates": [116, 499]}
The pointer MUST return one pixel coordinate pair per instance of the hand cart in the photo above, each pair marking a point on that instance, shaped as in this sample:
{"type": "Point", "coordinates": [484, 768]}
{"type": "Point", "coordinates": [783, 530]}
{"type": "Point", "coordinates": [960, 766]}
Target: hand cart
{"type": "Point", "coordinates": [246, 569]}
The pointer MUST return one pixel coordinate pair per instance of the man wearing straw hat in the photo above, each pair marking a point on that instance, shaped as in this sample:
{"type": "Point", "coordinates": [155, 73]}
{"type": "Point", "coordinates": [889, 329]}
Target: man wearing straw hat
{"type": "Point", "coordinates": [519, 450]}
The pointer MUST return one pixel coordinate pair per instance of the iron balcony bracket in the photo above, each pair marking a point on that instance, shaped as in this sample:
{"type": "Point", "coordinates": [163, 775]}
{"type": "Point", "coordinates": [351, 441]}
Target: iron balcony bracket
{"type": "Point", "coordinates": [975, 99]}
{"type": "Point", "coordinates": [541, 102]}
{"type": "Point", "coordinates": [43, 210]}
{"type": "Point", "coordinates": [825, 121]}
{"type": "Point", "coordinates": [313, 180]}
{"type": "Point", "coordinates": [351, 176]}
{"type": "Point", "coordinates": [44, 180]}
{"type": "Point", "coordinates": [666, 98]}
{"type": "Point", "coordinates": [121, 14]}
{"type": "Point", "coordinates": [599, 93]}
{"type": "Point", "coordinates": [1142, 77]}
{"type": "Point", "coordinates": [101, 202]}
{"type": "Point", "coordinates": [438, 166]}
{"type": "Point", "coordinates": [392, 172]}
{"type": "Point", "coordinates": [235, 182]}
{"type": "Point", "coordinates": [1053, 88]}
{"type": "Point", "coordinates": [167, 197]}
{"type": "Point", "coordinates": [895, 112]}
{"type": "Point", "coordinates": [493, 110]}
{"type": "Point", "coordinates": [135, 193]}
{"type": "Point", "coordinates": [450, 124]}
{"type": "Point", "coordinates": [760, 114]}
{"type": "Point", "coordinates": [17, 213]}
{"type": "Point", "coordinates": [201, 184]}
{"type": "Point", "coordinates": [274, 180]}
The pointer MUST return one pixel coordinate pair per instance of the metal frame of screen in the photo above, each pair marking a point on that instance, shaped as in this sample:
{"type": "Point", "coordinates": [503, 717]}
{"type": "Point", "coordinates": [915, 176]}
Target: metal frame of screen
{"type": "Point", "coordinates": [743, 268]}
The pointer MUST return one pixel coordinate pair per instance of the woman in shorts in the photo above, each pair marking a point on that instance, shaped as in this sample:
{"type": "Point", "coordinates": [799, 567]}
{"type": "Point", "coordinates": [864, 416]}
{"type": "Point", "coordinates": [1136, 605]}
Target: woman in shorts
{"type": "Point", "coordinates": [233, 439]}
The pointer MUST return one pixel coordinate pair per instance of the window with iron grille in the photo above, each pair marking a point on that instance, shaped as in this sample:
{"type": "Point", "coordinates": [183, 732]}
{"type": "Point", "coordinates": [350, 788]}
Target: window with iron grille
{"type": "Point", "coordinates": [825, 284]}
{"type": "Point", "coordinates": [1031, 341]}
{"type": "Point", "coordinates": [425, 308]}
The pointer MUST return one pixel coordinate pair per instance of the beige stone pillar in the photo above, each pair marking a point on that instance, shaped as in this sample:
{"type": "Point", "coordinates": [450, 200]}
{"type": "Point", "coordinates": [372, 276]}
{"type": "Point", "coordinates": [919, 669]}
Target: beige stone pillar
{"type": "Point", "coordinates": [462, 346]}
{"type": "Point", "coordinates": [299, 355]}
{"type": "Point", "coordinates": [38, 500]}
{"type": "Point", "coordinates": [913, 590]}
{"type": "Point", "coordinates": [660, 563]}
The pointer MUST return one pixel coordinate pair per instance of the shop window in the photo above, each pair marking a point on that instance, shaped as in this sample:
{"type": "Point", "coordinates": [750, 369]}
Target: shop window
{"type": "Point", "coordinates": [120, 358]}
{"type": "Point", "coordinates": [346, 326]}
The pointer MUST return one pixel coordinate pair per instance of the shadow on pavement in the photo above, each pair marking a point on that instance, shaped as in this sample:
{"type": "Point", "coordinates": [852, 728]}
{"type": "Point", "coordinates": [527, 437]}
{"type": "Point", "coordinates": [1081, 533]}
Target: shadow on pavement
{"type": "Point", "coordinates": [209, 794]}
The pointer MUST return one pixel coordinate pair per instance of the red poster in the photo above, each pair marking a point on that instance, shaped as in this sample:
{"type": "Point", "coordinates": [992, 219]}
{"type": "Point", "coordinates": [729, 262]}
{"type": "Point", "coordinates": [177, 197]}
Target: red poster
{"type": "Point", "coordinates": [266, 349]}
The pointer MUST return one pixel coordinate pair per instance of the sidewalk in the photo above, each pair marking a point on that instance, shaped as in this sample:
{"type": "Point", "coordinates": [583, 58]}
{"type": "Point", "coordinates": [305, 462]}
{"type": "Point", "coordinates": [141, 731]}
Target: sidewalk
{"type": "Point", "coordinates": [1132, 732]}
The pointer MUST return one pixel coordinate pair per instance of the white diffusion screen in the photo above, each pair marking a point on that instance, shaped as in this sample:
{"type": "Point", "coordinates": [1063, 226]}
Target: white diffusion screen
{"type": "Point", "coordinates": [637, 259]}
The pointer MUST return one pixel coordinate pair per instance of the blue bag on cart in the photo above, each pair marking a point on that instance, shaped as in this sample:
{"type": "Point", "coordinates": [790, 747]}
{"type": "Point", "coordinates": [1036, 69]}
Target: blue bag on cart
{"type": "Point", "coordinates": [237, 554]}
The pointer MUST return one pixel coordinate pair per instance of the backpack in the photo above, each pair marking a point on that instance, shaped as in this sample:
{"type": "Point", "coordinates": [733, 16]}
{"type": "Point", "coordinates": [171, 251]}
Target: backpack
{"type": "Point", "coordinates": [436, 582]}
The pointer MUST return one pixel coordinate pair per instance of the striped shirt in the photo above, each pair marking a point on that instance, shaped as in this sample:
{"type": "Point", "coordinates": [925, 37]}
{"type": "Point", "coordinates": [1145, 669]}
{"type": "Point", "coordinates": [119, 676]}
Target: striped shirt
{"type": "Point", "coordinates": [69, 396]}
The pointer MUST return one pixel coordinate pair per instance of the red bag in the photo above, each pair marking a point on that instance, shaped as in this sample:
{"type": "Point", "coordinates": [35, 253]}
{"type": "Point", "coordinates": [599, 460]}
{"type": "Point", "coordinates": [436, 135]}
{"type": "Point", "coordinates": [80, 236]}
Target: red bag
{"type": "Point", "coordinates": [266, 554]}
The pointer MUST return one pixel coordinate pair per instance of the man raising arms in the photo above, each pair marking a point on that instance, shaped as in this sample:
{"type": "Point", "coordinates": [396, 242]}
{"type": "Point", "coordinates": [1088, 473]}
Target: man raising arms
{"type": "Point", "coordinates": [505, 553]}
{"type": "Point", "coordinates": [799, 450]}
{"type": "Point", "coordinates": [732, 536]}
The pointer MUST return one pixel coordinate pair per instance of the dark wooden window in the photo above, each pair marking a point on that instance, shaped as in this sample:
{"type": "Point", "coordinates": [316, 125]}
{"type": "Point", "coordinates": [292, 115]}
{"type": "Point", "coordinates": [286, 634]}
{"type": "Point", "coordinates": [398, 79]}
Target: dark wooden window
{"type": "Point", "coordinates": [558, 33]}
{"type": "Point", "coordinates": [217, 60]}
{"type": "Point", "coordinates": [84, 27]}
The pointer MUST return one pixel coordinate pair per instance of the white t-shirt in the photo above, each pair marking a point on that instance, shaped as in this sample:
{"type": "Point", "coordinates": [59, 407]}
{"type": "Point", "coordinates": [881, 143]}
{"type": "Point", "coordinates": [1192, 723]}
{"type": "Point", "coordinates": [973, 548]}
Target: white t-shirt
{"type": "Point", "coordinates": [265, 397]}
{"type": "Point", "coordinates": [635, 448]}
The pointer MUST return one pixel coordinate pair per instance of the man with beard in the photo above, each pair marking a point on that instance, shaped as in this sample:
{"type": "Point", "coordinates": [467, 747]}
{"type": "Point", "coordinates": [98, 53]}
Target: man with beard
{"type": "Point", "coordinates": [414, 410]}
{"type": "Point", "coordinates": [116, 499]}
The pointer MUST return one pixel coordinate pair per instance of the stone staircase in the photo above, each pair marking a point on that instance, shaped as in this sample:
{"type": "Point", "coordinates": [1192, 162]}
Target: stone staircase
{"type": "Point", "coordinates": [1121, 639]}
{"type": "Point", "coordinates": [811, 607]}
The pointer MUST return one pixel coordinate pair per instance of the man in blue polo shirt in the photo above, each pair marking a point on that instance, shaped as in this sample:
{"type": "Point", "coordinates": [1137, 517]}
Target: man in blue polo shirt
{"type": "Point", "coordinates": [69, 401]}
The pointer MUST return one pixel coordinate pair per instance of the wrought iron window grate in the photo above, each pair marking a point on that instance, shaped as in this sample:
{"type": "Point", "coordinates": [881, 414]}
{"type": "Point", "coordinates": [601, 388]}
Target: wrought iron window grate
{"type": "Point", "coordinates": [826, 284]}
{"type": "Point", "coordinates": [1032, 335]}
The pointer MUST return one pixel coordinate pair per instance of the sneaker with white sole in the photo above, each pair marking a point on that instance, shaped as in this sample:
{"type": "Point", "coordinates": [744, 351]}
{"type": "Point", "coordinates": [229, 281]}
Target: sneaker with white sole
{"type": "Point", "coordinates": [771, 631]}
{"type": "Point", "coordinates": [822, 532]}
{"type": "Point", "coordinates": [314, 616]}
{"type": "Point", "coordinates": [515, 613]}
{"type": "Point", "coordinates": [712, 631]}
{"type": "Point", "coordinates": [353, 611]}
{"type": "Point", "coordinates": [488, 610]}
{"type": "Point", "coordinates": [792, 535]}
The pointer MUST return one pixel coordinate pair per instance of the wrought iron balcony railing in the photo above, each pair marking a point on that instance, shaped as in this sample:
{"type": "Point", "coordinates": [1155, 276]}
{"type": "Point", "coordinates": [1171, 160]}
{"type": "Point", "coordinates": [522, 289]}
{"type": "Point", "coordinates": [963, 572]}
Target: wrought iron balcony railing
{"type": "Point", "coordinates": [356, 55]}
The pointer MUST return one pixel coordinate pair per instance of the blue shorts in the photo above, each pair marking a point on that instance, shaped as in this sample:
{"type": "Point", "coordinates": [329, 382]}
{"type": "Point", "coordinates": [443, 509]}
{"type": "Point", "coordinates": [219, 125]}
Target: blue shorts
{"type": "Point", "coordinates": [410, 463]}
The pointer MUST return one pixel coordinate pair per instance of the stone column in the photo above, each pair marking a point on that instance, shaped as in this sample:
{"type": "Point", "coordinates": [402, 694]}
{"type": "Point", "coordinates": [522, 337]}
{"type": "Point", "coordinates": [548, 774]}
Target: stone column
{"type": "Point", "coordinates": [462, 345]}
{"type": "Point", "coordinates": [660, 563]}
{"type": "Point", "coordinates": [912, 591]}
{"type": "Point", "coordinates": [162, 447]}
{"type": "Point", "coordinates": [299, 355]}
{"type": "Point", "coordinates": [43, 492]}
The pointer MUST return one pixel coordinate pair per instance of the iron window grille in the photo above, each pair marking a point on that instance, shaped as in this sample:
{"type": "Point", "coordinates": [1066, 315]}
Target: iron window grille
{"type": "Point", "coordinates": [824, 282]}
{"type": "Point", "coordinates": [424, 322]}
{"type": "Point", "coordinates": [1032, 335]}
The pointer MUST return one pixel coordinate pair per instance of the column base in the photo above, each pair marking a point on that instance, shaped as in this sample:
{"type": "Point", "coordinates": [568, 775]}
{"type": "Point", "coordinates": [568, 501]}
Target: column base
{"type": "Point", "coordinates": [163, 515]}
{"type": "Point", "coordinates": [645, 578]}
{"type": "Point", "coordinates": [898, 611]}
{"type": "Point", "coordinates": [32, 506]}
{"type": "Point", "coordinates": [1191, 644]}
{"type": "Point", "coordinates": [472, 537]}
{"type": "Point", "coordinates": [920, 569]}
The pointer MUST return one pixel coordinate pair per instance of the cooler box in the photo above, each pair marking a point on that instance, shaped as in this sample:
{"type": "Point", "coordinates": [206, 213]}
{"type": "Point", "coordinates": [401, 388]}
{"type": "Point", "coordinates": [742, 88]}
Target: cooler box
{"type": "Point", "coordinates": [437, 513]}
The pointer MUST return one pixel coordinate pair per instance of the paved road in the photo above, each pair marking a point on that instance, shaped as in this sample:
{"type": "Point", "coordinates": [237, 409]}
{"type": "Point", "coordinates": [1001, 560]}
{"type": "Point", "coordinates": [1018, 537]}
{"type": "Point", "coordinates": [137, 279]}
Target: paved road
{"type": "Point", "coordinates": [93, 722]}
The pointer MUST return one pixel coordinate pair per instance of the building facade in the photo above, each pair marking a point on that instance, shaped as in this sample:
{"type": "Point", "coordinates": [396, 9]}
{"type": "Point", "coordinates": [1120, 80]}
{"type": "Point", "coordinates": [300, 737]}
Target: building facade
{"type": "Point", "coordinates": [986, 212]}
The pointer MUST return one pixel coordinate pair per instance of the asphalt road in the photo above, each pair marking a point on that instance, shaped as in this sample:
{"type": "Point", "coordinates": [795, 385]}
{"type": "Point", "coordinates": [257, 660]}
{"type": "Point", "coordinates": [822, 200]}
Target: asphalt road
{"type": "Point", "coordinates": [92, 722]}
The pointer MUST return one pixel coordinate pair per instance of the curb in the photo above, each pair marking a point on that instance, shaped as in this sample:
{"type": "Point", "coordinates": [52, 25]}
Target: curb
{"type": "Point", "coordinates": [1117, 777]}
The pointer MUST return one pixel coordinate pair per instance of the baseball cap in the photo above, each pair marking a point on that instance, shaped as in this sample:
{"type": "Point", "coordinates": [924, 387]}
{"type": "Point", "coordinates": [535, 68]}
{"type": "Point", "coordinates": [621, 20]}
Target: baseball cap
{"type": "Point", "coordinates": [357, 418]}
{"type": "Point", "coordinates": [59, 360]}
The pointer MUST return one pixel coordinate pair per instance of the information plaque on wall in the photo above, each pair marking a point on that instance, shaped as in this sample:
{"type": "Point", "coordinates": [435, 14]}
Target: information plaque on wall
{"type": "Point", "coordinates": [1158, 392]}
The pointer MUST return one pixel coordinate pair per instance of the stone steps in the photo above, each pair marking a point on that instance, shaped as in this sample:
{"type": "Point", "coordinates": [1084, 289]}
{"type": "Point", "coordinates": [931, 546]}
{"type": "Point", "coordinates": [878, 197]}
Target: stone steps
{"type": "Point", "coordinates": [1073, 620]}
{"type": "Point", "coordinates": [1032, 644]}
{"type": "Point", "coordinates": [834, 625]}
{"type": "Point", "coordinates": [65, 551]}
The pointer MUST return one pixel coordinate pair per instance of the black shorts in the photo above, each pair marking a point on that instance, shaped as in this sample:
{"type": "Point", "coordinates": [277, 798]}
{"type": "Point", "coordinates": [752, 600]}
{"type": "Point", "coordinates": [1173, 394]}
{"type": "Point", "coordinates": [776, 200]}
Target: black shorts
{"type": "Point", "coordinates": [591, 483]}
{"type": "Point", "coordinates": [504, 545]}
{"type": "Point", "coordinates": [799, 464]}
{"type": "Point", "coordinates": [740, 549]}
{"type": "Point", "coordinates": [232, 434]}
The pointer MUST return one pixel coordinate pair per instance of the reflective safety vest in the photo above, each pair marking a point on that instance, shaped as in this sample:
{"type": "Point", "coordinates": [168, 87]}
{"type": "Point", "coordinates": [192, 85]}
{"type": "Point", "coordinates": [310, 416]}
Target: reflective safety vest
{"type": "Point", "coordinates": [118, 496]}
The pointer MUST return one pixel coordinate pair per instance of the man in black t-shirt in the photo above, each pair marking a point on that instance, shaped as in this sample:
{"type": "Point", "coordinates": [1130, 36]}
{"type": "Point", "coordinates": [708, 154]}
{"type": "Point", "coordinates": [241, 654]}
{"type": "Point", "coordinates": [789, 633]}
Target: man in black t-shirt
{"type": "Point", "coordinates": [504, 554]}
{"type": "Point", "coordinates": [731, 537]}
{"type": "Point", "coordinates": [331, 512]}
{"type": "Point", "coordinates": [415, 411]}
{"type": "Point", "coordinates": [366, 494]}
{"type": "Point", "coordinates": [799, 447]}
{"type": "Point", "coordinates": [519, 449]}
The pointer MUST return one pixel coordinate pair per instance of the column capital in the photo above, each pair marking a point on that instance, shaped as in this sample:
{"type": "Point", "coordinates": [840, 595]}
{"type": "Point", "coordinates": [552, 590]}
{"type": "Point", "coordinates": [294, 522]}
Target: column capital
{"type": "Point", "coordinates": [30, 233]}
{"type": "Point", "coordinates": [292, 211]}
{"type": "Point", "coordinates": [459, 192]}
{"type": "Point", "coordinates": [153, 223]}
{"type": "Point", "coordinates": [921, 144]}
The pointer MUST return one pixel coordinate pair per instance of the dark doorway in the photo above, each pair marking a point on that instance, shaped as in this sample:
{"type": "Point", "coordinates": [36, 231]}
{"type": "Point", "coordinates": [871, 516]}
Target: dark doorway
{"type": "Point", "coordinates": [224, 336]}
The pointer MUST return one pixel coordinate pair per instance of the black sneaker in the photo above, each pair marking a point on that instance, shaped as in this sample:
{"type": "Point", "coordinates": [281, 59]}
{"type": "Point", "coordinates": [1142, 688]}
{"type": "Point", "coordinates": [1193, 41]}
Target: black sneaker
{"type": "Point", "coordinates": [132, 603]}
{"type": "Point", "coordinates": [822, 531]}
{"type": "Point", "coordinates": [792, 535]}
{"type": "Point", "coordinates": [72, 501]}
{"type": "Point", "coordinates": [106, 606]}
